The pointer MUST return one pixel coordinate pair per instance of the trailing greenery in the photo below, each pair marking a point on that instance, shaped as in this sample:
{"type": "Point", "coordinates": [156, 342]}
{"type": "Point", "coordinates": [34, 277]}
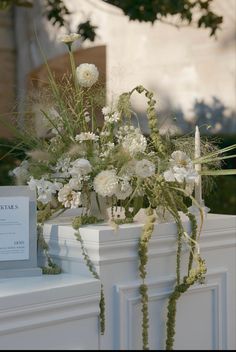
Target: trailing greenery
{"type": "Point", "coordinates": [143, 258]}
{"type": "Point", "coordinates": [51, 268]}
{"type": "Point", "coordinates": [77, 223]}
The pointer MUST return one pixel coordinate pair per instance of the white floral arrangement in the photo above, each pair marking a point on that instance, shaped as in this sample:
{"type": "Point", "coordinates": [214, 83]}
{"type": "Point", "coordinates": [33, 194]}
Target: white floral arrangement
{"type": "Point", "coordinates": [75, 147]}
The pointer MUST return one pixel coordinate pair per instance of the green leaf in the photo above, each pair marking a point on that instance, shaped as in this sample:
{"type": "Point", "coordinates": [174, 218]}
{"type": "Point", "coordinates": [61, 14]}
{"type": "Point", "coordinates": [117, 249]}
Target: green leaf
{"type": "Point", "coordinates": [218, 172]}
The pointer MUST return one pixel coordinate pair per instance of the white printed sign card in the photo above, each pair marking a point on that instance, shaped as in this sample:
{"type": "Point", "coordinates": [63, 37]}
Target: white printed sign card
{"type": "Point", "coordinates": [18, 232]}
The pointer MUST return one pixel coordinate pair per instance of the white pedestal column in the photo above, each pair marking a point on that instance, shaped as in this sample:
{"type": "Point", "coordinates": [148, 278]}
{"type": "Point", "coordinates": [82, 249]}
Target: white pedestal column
{"type": "Point", "coordinates": [206, 314]}
{"type": "Point", "coordinates": [51, 312]}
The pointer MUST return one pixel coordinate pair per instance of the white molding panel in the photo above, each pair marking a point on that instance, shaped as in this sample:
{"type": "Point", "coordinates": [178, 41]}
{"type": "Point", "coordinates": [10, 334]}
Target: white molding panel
{"type": "Point", "coordinates": [128, 300]}
{"type": "Point", "coordinates": [50, 312]}
{"type": "Point", "coordinates": [206, 314]}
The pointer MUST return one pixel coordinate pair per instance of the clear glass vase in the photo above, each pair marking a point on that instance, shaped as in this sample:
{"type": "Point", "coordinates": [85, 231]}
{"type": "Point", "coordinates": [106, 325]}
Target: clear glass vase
{"type": "Point", "coordinates": [97, 206]}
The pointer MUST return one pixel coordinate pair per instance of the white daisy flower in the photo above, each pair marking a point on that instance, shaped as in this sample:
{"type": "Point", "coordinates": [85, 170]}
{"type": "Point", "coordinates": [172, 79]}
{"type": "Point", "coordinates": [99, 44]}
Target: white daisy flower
{"type": "Point", "coordinates": [106, 110]}
{"type": "Point", "coordinates": [86, 136]}
{"type": "Point", "coordinates": [70, 38]}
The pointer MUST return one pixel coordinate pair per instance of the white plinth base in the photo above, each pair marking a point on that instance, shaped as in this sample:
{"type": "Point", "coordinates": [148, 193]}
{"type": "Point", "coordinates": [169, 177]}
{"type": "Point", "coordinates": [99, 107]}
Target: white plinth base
{"type": "Point", "coordinates": [206, 314]}
{"type": "Point", "coordinates": [58, 312]}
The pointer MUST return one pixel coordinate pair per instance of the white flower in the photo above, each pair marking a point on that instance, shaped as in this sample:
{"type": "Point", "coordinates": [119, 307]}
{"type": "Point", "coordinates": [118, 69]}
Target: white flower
{"type": "Point", "coordinates": [169, 176]}
{"type": "Point", "coordinates": [124, 189]}
{"type": "Point", "coordinates": [181, 169]}
{"type": "Point", "coordinates": [62, 164]}
{"type": "Point", "coordinates": [87, 75]}
{"type": "Point", "coordinates": [144, 168]}
{"type": "Point", "coordinates": [44, 188]}
{"type": "Point", "coordinates": [180, 159]}
{"type": "Point", "coordinates": [75, 183]}
{"type": "Point", "coordinates": [114, 117]}
{"type": "Point", "coordinates": [191, 175]}
{"type": "Point", "coordinates": [106, 183]}
{"type": "Point", "coordinates": [69, 198]}
{"type": "Point", "coordinates": [180, 174]}
{"type": "Point", "coordinates": [105, 134]}
{"type": "Point", "coordinates": [32, 183]}
{"type": "Point", "coordinates": [125, 130]}
{"type": "Point", "coordinates": [80, 167]}
{"type": "Point", "coordinates": [134, 143]}
{"type": "Point", "coordinates": [21, 171]}
{"type": "Point", "coordinates": [86, 136]}
{"type": "Point", "coordinates": [70, 38]}
{"type": "Point", "coordinates": [106, 110]}
{"type": "Point", "coordinates": [55, 186]}
{"type": "Point", "coordinates": [44, 196]}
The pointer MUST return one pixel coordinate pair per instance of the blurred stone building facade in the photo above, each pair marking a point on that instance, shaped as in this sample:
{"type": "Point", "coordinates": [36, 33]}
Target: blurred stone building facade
{"type": "Point", "coordinates": [193, 76]}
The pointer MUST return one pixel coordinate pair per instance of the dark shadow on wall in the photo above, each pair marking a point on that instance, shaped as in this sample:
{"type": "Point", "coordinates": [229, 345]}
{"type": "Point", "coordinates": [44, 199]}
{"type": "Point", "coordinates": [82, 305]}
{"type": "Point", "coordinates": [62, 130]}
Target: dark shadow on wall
{"type": "Point", "coordinates": [213, 118]}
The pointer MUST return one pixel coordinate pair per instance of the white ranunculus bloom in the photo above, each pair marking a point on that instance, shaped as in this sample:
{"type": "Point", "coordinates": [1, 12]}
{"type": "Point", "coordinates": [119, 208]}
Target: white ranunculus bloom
{"type": "Point", "coordinates": [80, 167]}
{"type": "Point", "coordinates": [69, 198]}
{"type": "Point", "coordinates": [106, 183]}
{"type": "Point", "coordinates": [87, 75]}
{"type": "Point", "coordinates": [144, 168]}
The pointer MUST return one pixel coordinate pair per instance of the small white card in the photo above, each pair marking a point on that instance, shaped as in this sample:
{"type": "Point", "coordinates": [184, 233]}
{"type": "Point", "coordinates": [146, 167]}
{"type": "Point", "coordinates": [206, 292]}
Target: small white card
{"type": "Point", "coordinates": [14, 228]}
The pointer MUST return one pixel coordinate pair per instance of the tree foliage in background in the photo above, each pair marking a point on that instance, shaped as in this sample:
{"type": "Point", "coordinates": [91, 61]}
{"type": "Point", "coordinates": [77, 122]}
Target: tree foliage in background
{"type": "Point", "coordinates": [185, 12]}
{"type": "Point", "coordinates": [189, 11]}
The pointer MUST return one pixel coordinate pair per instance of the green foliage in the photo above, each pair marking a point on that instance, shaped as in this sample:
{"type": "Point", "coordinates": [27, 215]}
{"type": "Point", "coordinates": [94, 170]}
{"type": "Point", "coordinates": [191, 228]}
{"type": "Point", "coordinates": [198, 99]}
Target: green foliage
{"type": "Point", "coordinates": [56, 11]}
{"type": "Point", "coordinates": [51, 268]}
{"type": "Point", "coordinates": [93, 271]}
{"type": "Point", "coordinates": [87, 31]}
{"type": "Point", "coordinates": [141, 10]}
{"type": "Point", "coordinates": [143, 259]}
{"type": "Point", "coordinates": [154, 10]}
